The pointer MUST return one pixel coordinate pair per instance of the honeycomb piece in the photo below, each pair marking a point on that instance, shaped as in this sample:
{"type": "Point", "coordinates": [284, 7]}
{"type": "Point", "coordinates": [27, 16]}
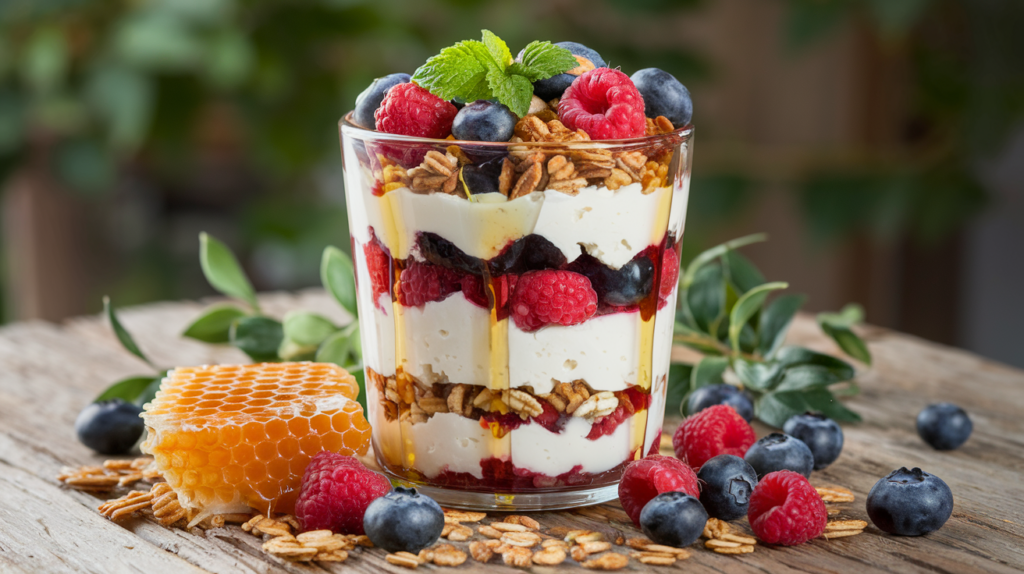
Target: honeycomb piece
{"type": "Point", "coordinates": [229, 437]}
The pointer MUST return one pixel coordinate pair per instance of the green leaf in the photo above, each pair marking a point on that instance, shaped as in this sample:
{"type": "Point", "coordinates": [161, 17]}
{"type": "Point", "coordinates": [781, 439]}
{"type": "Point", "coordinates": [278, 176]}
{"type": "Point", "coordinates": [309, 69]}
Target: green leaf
{"type": "Point", "coordinates": [775, 321]}
{"type": "Point", "coordinates": [849, 342]}
{"type": "Point", "coordinates": [705, 297]}
{"type": "Point", "coordinates": [458, 70]}
{"type": "Point", "coordinates": [756, 375]}
{"type": "Point", "coordinates": [497, 48]}
{"type": "Point", "coordinates": [149, 393]}
{"type": "Point", "coordinates": [128, 389]}
{"type": "Point", "coordinates": [774, 409]}
{"type": "Point", "coordinates": [741, 272]}
{"type": "Point", "coordinates": [678, 386]}
{"type": "Point", "coordinates": [338, 276]}
{"type": "Point", "coordinates": [852, 314]}
{"type": "Point", "coordinates": [258, 337]}
{"type": "Point", "coordinates": [513, 91]}
{"type": "Point", "coordinates": [122, 334]}
{"type": "Point", "coordinates": [708, 372]}
{"type": "Point", "coordinates": [45, 59]}
{"type": "Point", "coordinates": [792, 356]}
{"type": "Point", "coordinates": [823, 401]}
{"type": "Point", "coordinates": [338, 349]}
{"type": "Point", "coordinates": [715, 252]}
{"type": "Point", "coordinates": [214, 325]}
{"type": "Point", "coordinates": [801, 377]}
{"type": "Point", "coordinates": [307, 329]}
{"type": "Point", "coordinates": [360, 377]}
{"type": "Point", "coordinates": [749, 304]}
{"type": "Point", "coordinates": [223, 271]}
{"type": "Point", "coordinates": [545, 59]}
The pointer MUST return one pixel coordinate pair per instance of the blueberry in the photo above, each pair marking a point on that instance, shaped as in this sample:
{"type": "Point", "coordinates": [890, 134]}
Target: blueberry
{"type": "Point", "coordinates": [484, 121]}
{"type": "Point", "coordinates": [821, 434]}
{"type": "Point", "coordinates": [403, 520]}
{"type": "Point", "coordinates": [621, 287]}
{"type": "Point", "coordinates": [726, 484]}
{"type": "Point", "coordinates": [945, 426]}
{"type": "Point", "coordinates": [664, 96]}
{"type": "Point", "coordinates": [109, 427]}
{"type": "Point", "coordinates": [779, 451]}
{"type": "Point", "coordinates": [721, 394]}
{"type": "Point", "coordinates": [439, 251]}
{"type": "Point", "coordinates": [481, 178]}
{"type": "Point", "coordinates": [910, 503]}
{"type": "Point", "coordinates": [531, 253]}
{"type": "Point", "coordinates": [551, 88]}
{"type": "Point", "coordinates": [369, 100]}
{"type": "Point", "coordinates": [673, 519]}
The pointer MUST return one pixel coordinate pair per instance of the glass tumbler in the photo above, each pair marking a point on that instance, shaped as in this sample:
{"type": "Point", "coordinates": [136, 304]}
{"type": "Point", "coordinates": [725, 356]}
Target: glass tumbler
{"type": "Point", "coordinates": [516, 304]}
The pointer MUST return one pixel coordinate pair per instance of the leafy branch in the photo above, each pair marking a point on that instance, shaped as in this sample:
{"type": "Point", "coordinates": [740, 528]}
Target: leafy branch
{"type": "Point", "coordinates": [725, 314]}
{"type": "Point", "coordinates": [298, 336]}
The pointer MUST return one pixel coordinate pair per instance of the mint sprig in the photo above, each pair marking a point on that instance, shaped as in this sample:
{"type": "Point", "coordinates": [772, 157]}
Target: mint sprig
{"type": "Point", "coordinates": [484, 70]}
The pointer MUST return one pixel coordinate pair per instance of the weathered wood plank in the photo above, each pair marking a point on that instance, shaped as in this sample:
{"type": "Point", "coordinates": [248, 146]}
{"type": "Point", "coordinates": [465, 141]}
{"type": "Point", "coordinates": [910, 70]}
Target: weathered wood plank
{"type": "Point", "coordinates": [48, 372]}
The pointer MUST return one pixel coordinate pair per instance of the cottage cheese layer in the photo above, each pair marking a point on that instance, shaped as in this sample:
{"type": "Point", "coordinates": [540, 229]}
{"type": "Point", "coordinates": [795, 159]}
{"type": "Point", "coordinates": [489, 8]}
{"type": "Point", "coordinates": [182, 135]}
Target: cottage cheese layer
{"type": "Point", "coordinates": [539, 450]}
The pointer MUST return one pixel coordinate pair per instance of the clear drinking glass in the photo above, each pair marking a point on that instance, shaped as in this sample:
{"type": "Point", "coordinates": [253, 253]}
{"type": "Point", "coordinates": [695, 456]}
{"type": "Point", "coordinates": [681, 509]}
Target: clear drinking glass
{"type": "Point", "coordinates": [473, 399]}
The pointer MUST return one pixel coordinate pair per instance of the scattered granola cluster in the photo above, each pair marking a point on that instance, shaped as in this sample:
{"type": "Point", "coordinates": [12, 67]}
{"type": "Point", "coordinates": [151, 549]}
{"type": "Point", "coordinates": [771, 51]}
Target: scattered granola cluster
{"type": "Point", "coordinates": [313, 545]}
{"type": "Point", "coordinates": [832, 495]}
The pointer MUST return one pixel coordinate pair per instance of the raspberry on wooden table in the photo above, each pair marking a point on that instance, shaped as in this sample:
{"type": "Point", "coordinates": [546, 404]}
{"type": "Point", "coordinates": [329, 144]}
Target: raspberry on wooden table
{"type": "Point", "coordinates": [335, 492]}
{"type": "Point", "coordinates": [604, 103]}
{"type": "Point", "coordinates": [713, 431]}
{"type": "Point", "coordinates": [785, 509]}
{"type": "Point", "coordinates": [552, 298]}
{"type": "Point", "coordinates": [646, 478]}
{"type": "Point", "coordinates": [408, 109]}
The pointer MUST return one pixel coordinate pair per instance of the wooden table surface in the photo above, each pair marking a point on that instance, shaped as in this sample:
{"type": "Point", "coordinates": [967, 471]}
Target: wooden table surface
{"type": "Point", "coordinates": [49, 372]}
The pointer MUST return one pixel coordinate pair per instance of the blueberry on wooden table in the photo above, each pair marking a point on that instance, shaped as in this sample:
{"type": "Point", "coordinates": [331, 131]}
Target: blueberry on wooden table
{"type": "Point", "coordinates": [779, 451]}
{"type": "Point", "coordinates": [821, 434]}
{"type": "Point", "coordinates": [944, 426]}
{"type": "Point", "coordinates": [109, 427]}
{"type": "Point", "coordinates": [910, 502]}
{"type": "Point", "coordinates": [673, 519]}
{"type": "Point", "coordinates": [403, 520]}
{"type": "Point", "coordinates": [727, 482]}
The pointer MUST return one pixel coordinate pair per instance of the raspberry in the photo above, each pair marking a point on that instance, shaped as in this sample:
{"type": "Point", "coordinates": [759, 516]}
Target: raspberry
{"type": "Point", "coordinates": [785, 509]}
{"type": "Point", "coordinates": [335, 492]}
{"type": "Point", "coordinates": [713, 431]}
{"type": "Point", "coordinates": [378, 263]}
{"type": "Point", "coordinates": [552, 298]}
{"type": "Point", "coordinates": [669, 272]}
{"type": "Point", "coordinates": [605, 104]}
{"type": "Point", "coordinates": [646, 478]}
{"type": "Point", "coordinates": [420, 283]}
{"type": "Point", "coordinates": [410, 110]}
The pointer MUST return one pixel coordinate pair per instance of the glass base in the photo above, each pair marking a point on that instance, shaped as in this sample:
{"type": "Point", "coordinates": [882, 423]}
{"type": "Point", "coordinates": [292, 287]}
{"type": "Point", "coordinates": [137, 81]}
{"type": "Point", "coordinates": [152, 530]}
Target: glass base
{"type": "Point", "coordinates": [511, 502]}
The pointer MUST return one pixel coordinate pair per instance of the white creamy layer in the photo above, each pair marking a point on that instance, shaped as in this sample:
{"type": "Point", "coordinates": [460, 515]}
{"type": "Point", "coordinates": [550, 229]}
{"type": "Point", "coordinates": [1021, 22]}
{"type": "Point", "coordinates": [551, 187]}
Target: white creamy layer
{"type": "Point", "coordinates": [680, 200]}
{"type": "Point", "coordinates": [451, 442]}
{"type": "Point", "coordinates": [537, 449]}
{"type": "Point", "coordinates": [613, 226]}
{"type": "Point", "coordinates": [447, 341]}
{"type": "Point", "coordinates": [601, 350]}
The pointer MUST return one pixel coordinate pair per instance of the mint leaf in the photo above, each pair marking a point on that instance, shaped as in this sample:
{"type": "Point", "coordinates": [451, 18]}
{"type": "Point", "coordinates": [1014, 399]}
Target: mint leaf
{"type": "Point", "coordinates": [545, 59]}
{"type": "Point", "coordinates": [530, 73]}
{"type": "Point", "coordinates": [456, 71]}
{"type": "Point", "coordinates": [497, 49]}
{"type": "Point", "coordinates": [513, 91]}
{"type": "Point", "coordinates": [484, 70]}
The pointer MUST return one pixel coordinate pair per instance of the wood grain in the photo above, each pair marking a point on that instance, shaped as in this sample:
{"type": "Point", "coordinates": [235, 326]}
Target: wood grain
{"type": "Point", "coordinates": [48, 372]}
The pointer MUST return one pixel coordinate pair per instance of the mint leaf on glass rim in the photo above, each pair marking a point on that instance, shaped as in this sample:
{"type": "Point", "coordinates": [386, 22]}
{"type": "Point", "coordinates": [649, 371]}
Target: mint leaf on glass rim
{"type": "Point", "coordinates": [497, 48]}
{"type": "Point", "coordinates": [455, 72]}
{"type": "Point", "coordinates": [546, 59]}
{"type": "Point", "coordinates": [482, 70]}
{"type": "Point", "coordinates": [513, 91]}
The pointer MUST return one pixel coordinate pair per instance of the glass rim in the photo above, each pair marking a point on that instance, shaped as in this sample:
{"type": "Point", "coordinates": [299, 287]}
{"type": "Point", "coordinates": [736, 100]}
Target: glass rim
{"type": "Point", "coordinates": [675, 137]}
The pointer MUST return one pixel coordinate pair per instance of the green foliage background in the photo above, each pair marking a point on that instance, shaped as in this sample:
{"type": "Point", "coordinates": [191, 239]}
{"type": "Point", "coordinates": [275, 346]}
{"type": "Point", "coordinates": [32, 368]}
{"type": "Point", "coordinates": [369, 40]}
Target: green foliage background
{"type": "Point", "coordinates": [119, 95]}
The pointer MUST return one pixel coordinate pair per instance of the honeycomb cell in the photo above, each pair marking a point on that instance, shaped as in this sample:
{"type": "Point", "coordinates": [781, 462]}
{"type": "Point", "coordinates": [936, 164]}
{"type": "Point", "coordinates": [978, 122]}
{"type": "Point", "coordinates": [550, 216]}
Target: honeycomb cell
{"type": "Point", "coordinates": [218, 436]}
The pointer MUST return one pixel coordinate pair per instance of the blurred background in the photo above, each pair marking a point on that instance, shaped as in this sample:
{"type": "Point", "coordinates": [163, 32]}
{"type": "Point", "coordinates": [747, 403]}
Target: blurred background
{"type": "Point", "coordinates": [880, 143]}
